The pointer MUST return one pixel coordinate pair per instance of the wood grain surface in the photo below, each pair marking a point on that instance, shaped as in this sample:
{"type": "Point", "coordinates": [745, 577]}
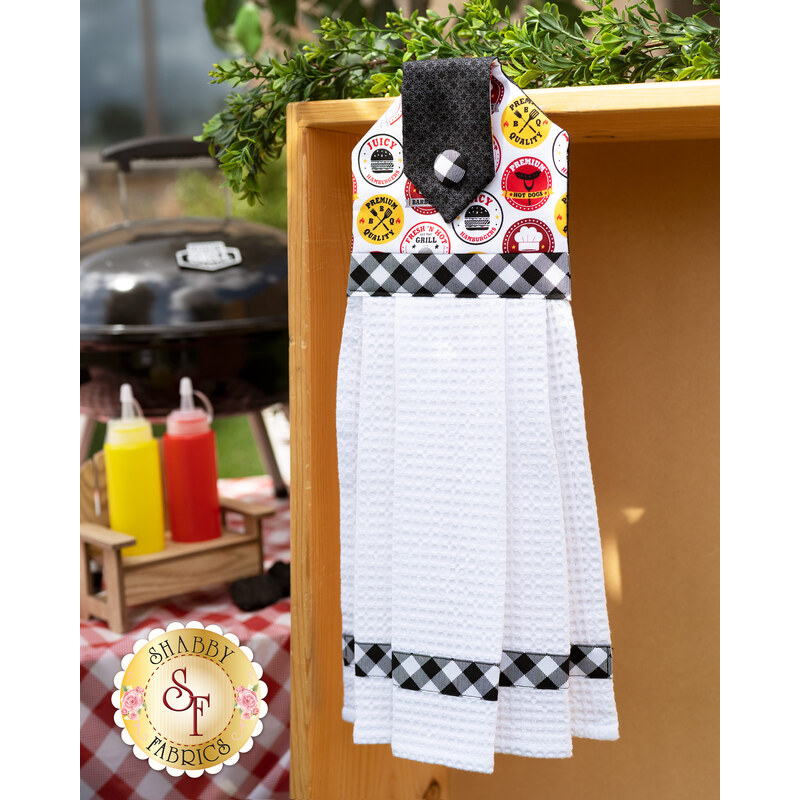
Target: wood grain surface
{"type": "Point", "coordinates": [644, 242]}
{"type": "Point", "coordinates": [626, 112]}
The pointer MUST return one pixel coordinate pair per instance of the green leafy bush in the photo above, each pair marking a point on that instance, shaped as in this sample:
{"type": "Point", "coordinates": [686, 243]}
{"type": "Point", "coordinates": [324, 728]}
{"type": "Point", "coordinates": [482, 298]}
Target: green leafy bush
{"type": "Point", "coordinates": [541, 49]}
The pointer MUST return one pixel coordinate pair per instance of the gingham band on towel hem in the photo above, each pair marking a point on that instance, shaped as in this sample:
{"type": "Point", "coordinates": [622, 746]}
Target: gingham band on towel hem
{"type": "Point", "coordinates": [461, 678]}
{"type": "Point", "coordinates": [460, 274]}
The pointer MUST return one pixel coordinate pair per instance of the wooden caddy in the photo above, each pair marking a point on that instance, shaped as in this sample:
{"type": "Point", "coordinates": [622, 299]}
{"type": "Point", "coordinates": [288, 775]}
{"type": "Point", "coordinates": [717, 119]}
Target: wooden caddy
{"type": "Point", "coordinates": [644, 249]}
{"type": "Point", "coordinates": [180, 567]}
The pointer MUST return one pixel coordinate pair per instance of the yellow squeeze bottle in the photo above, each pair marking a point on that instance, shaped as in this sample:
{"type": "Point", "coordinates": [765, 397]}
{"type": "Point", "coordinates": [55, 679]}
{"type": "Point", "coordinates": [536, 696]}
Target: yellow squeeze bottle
{"type": "Point", "coordinates": [133, 478]}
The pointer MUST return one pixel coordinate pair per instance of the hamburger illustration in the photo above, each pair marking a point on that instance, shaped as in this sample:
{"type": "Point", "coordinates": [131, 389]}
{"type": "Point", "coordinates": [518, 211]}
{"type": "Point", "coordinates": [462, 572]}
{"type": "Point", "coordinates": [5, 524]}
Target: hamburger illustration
{"type": "Point", "coordinates": [529, 239]}
{"type": "Point", "coordinates": [477, 218]}
{"type": "Point", "coordinates": [381, 161]}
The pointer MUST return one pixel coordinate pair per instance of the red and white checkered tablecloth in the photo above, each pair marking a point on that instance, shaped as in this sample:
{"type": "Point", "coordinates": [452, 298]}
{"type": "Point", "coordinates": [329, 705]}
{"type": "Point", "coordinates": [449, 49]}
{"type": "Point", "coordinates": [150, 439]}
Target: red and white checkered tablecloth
{"type": "Point", "coordinates": [109, 770]}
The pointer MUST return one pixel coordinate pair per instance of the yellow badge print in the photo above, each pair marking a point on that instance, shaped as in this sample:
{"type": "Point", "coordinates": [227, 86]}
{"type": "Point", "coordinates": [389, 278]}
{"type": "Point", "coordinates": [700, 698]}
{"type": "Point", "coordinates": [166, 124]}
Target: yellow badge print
{"type": "Point", "coordinates": [560, 214]}
{"type": "Point", "coordinates": [523, 124]}
{"type": "Point", "coordinates": [380, 219]}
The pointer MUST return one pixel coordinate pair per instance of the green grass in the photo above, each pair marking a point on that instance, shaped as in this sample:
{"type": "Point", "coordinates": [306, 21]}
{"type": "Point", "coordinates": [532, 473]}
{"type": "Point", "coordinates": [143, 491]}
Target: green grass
{"type": "Point", "coordinates": [200, 195]}
{"type": "Point", "coordinates": [237, 456]}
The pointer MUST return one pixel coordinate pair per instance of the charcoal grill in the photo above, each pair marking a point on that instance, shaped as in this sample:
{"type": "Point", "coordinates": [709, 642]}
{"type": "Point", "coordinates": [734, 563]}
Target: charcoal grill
{"type": "Point", "coordinates": [165, 298]}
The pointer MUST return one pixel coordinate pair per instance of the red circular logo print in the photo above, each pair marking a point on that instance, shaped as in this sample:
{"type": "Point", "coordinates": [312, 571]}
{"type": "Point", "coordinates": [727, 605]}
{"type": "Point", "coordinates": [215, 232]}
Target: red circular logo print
{"type": "Point", "coordinates": [527, 183]}
{"type": "Point", "coordinates": [415, 200]}
{"type": "Point", "coordinates": [496, 153]}
{"type": "Point", "coordinates": [528, 236]}
{"type": "Point", "coordinates": [497, 94]}
{"type": "Point", "coordinates": [426, 237]}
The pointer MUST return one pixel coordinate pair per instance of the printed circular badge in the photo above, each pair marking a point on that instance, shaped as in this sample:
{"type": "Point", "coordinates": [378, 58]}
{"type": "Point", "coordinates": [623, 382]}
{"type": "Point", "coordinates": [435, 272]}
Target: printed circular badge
{"type": "Point", "coordinates": [497, 94]}
{"type": "Point", "coordinates": [355, 187]}
{"type": "Point", "coordinates": [496, 153]}
{"type": "Point", "coordinates": [426, 237]}
{"type": "Point", "coordinates": [561, 152]}
{"type": "Point", "coordinates": [480, 220]}
{"type": "Point", "coordinates": [415, 200]}
{"type": "Point", "coordinates": [528, 236]}
{"type": "Point", "coordinates": [527, 183]}
{"type": "Point", "coordinates": [380, 160]}
{"type": "Point", "coordinates": [189, 699]}
{"type": "Point", "coordinates": [560, 215]}
{"type": "Point", "coordinates": [523, 124]}
{"type": "Point", "coordinates": [380, 219]}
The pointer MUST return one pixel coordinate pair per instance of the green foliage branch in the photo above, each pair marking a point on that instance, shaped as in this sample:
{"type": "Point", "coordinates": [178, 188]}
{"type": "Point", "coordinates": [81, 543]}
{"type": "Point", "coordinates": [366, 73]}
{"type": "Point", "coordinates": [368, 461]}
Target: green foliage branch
{"type": "Point", "coordinates": [541, 49]}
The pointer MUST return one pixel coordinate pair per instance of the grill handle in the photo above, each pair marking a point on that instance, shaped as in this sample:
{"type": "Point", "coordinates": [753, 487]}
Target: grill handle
{"type": "Point", "coordinates": [153, 148]}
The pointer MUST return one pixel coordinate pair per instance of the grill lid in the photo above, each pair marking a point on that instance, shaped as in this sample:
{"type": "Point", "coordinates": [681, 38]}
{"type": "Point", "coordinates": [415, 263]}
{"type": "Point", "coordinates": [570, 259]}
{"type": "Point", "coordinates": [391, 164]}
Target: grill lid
{"type": "Point", "coordinates": [183, 277]}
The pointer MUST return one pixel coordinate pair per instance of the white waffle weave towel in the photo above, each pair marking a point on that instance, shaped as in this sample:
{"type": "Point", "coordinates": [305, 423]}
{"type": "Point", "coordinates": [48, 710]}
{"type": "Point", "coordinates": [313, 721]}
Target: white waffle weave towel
{"type": "Point", "coordinates": [472, 576]}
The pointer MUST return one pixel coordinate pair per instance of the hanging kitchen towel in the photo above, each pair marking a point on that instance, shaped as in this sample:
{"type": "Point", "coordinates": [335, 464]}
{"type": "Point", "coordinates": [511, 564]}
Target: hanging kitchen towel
{"type": "Point", "coordinates": [472, 578]}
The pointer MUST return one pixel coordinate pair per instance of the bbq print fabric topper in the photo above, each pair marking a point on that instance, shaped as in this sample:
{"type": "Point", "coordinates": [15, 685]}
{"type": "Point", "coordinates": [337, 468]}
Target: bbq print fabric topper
{"type": "Point", "coordinates": [529, 188]}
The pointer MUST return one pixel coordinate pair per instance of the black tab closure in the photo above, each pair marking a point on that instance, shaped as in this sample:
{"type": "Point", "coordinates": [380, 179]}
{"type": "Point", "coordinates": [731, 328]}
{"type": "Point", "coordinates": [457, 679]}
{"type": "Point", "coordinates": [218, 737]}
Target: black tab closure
{"type": "Point", "coordinates": [447, 107]}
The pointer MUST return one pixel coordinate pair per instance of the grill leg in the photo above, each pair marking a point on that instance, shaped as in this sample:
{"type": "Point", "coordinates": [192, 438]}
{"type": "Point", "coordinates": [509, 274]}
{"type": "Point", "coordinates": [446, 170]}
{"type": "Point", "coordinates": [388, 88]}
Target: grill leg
{"type": "Point", "coordinates": [264, 445]}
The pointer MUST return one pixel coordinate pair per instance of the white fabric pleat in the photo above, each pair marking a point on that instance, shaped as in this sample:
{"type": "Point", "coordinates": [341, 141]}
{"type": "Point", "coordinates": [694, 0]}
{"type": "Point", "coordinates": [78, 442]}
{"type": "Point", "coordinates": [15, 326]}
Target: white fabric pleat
{"type": "Point", "coordinates": [374, 481]}
{"type": "Point", "coordinates": [532, 722]}
{"type": "Point", "coordinates": [449, 537]}
{"type": "Point", "coordinates": [593, 710]}
{"type": "Point", "coordinates": [347, 388]}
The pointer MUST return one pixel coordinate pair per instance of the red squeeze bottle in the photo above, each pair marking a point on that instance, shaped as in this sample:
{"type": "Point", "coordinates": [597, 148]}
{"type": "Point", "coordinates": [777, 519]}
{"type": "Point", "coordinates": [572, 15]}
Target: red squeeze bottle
{"type": "Point", "coordinates": [190, 468]}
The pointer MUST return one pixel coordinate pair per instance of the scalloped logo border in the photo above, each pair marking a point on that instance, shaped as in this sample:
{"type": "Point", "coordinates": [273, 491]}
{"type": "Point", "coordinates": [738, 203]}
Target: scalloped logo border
{"type": "Point", "coordinates": [116, 699]}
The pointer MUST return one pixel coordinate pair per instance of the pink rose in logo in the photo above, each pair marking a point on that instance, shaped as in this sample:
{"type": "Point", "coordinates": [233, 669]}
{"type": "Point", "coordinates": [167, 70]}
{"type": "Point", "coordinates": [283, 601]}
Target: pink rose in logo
{"type": "Point", "coordinates": [247, 700]}
{"type": "Point", "coordinates": [132, 701]}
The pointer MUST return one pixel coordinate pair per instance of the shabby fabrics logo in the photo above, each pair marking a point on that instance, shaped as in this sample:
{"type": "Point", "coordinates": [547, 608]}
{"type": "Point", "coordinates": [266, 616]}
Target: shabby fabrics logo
{"type": "Point", "coordinates": [189, 699]}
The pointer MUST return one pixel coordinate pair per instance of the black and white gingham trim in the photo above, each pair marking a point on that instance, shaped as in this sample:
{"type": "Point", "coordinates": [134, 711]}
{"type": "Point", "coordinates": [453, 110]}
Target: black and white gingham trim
{"type": "Point", "coordinates": [348, 649]}
{"type": "Point", "coordinates": [373, 660]}
{"type": "Point", "coordinates": [460, 274]}
{"type": "Point", "coordinates": [590, 661]}
{"type": "Point", "coordinates": [534, 670]}
{"type": "Point", "coordinates": [450, 167]}
{"type": "Point", "coordinates": [461, 678]}
{"type": "Point", "coordinates": [450, 676]}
